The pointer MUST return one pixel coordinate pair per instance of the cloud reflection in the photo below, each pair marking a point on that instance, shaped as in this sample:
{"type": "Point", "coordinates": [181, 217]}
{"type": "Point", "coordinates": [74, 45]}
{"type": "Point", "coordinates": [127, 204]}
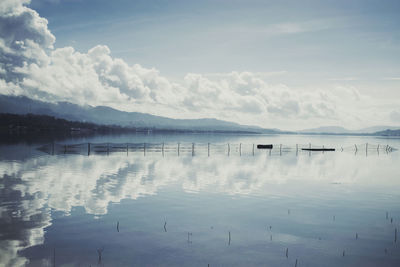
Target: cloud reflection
{"type": "Point", "coordinates": [32, 188]}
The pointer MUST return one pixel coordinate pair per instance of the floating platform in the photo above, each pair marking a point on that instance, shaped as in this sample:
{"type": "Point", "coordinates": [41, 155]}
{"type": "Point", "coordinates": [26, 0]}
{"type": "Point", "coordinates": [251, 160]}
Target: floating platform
{"type": "Point", "coordinates": [264, 146]}
{"type": "Point", "coordinates": [318, 149]}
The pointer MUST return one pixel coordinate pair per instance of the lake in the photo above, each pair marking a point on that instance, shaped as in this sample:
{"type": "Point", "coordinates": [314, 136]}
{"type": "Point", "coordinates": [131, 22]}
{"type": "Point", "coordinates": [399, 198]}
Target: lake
{"type": "Point", "coordinates": [215, 203]}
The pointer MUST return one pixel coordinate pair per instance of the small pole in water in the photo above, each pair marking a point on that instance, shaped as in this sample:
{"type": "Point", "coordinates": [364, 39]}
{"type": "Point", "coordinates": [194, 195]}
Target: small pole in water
{"type": "Point", "coordinates": [144, 149]}
{"type": "Point", "coordinates": [127, 148]}
{"type": "Point", "coordinates": [208, 149]}
{"type": "Point", "coordinates": [253, 149]}
{"type": "Point", "coordinates": [334, 217]}
{"type": "Point", "coordinates": [387, 215]}
{"type": "Point", "coordinates": [65, 149]}
{"type": "Point", "coordinates": [287, 252]}
{"type": "Point", "coordinates": [280, 149]}
{"type": "Point", "coordinates": [88, 149]}
{"type": "Point", "coordinates": [229, 149]}
{"type": "Point", "coordinates": [355, 147]}
{"type": "Point", "coordinates": [178, 148]}
{"type": "Point", "coordinates": [343, 253]}
{"type": "Point", "coordinates": [118, 226]}
{"type": "Point", "coordinates": [163, 149]}
{"type": "Point", "coordinates": [192, 149]}
{"type": "Point", "coordinates": [240, 149]}
{"type": "Point", "coordinates": [356, 236]}
{"type": "Point", "coordinates": [297, 149]}
{"type": "Point", "coordinates": [295, 265]}
{"type": "Point", "coordinates": [54, 257]}
{"type": "Point", "coordinates": [108, 149]}
{"type": "Point", "coordinates": [229, 242]}
{"type": "Point", "coordinates": [395, 235]}
{"type": "Point", "coordinates": [52, 149]}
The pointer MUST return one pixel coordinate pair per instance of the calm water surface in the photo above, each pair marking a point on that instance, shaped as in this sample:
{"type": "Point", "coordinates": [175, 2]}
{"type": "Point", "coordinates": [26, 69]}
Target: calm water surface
{"type": "Point", "coordinates": [118, 209]}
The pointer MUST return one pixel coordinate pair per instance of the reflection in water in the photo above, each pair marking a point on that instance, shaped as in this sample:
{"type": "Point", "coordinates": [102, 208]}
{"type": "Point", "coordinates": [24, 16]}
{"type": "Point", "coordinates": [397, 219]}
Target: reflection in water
{"type": "Point", "coordinates": [34, 189]}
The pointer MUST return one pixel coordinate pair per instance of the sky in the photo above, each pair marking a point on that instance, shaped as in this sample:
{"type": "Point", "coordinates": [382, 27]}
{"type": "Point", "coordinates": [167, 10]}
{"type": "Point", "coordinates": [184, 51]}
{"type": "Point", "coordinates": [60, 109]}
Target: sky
{"type": "Point", "coordinates": [276, 64]}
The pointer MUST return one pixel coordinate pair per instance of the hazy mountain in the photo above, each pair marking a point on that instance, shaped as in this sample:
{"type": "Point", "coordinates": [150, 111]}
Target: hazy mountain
{"type": "Point", "coordinates": [375, 129]}
{"type": "Point", "coordinates": [109, 116]}
{"type": "Point", "coordinates": [327, 129]}
{"type": "Point", "coordinates": [341, 130]}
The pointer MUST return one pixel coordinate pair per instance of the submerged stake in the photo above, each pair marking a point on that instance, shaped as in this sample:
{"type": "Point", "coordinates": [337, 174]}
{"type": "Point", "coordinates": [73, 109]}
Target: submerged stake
{"type": "Point", "coordinates": [287, 252]}
{"type": "Point", "coordinates": [100, 251]}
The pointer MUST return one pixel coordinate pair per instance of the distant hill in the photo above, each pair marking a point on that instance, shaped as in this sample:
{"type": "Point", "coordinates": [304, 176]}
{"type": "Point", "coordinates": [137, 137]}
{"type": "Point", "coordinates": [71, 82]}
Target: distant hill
{"type": "Point", "coordinates": [341, 130]}
{"type": "Point", "coordinates": [327, 129]}
{"type": "Point", "coordinates": [108, 116]}
{"type": "Point", "coordinates": [389, 133]}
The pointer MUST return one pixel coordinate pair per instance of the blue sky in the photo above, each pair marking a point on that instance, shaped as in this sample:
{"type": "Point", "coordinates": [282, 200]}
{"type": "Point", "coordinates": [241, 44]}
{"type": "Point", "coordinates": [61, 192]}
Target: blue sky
{"type": "Point", "coordinates": [304, 47]}
{"type": "Point", "coordinates": [313, 41]}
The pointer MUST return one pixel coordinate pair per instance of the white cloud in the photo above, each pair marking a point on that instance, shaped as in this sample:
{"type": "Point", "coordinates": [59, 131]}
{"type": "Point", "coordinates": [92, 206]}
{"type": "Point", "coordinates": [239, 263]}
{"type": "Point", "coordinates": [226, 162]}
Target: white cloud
{"type": "Point", "coordinates": [31, 66]}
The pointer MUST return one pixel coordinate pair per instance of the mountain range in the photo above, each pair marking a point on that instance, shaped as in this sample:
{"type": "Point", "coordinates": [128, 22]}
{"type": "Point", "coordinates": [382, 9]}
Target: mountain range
{"type": "Point", "coordinates": [342, 130]}
{"type": "Point", "coordinates": [103, 115]}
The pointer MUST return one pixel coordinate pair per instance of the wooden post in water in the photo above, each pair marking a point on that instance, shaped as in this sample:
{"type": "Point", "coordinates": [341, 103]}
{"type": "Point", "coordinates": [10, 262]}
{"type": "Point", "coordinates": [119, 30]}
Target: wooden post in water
{"type": "Point", "coordinates": [208, 149]}
{"type": "Point", "coordinates": [162, 149]}
{"type": "Point", "coordinates": [229, 149]}
{"type": "Point", "coordinates": [309, 152]}
{"type": "Point", "coordinates": [192, 149]}
{"type": "Point", "coordinates": [65, 149]}
{"type": "Point", "coordinates": [52, 149]}
{"type": "Point", "coordinates": [253, 149]}
{"type": "Point", "coordinates": [178, 148]}
{"type": "Point", "coordinates": [88, 149]}
{"type": "Point", "coordinates": [127, 148]}
{"type": "Point", "coordinates": [240, 149]}
{"type": "Point", "coordinates": [144, 149]}
{"type": "Point", "coordinates": [297, 149]}
{"type": "Point", "coordinates": [108, 149]}
{"type": "Point", "coordinates": [280, 149]}
{"type": "Point", "coordinates": [355, 147]}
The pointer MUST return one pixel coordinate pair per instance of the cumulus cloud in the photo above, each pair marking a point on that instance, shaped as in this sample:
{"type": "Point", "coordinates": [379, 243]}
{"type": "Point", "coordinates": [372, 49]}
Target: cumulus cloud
{"type": "Point", "coordinates": [31, 66]}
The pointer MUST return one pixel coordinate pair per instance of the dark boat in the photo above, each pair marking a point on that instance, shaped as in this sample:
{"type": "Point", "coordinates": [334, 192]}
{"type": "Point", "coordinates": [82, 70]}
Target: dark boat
{"type": "Point", "coordinates": [264, 146]}
{"type": "Point", "coordinates": [318, 149]}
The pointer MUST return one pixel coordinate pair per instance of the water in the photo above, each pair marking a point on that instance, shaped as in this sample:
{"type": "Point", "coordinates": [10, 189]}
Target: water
{"type": "Point", "coordinates": [236, 210]}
